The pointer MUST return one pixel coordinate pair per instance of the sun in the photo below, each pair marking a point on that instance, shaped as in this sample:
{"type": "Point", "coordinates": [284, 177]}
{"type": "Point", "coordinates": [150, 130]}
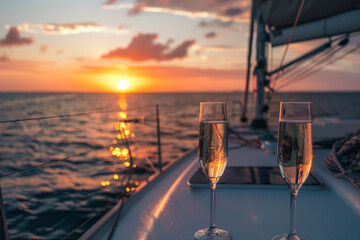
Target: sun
{"type": "Point", "coordinates": [123, 84]}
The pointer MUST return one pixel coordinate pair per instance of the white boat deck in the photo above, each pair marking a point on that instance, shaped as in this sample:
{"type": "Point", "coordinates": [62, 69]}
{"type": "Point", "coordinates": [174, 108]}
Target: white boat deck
{"type": "Point", "coordinates": [168, 208]}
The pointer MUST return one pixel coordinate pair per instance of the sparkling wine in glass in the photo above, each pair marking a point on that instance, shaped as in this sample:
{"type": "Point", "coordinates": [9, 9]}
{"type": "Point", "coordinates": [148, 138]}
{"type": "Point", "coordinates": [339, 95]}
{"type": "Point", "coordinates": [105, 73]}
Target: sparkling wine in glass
{"type": "Point", "coordinates": [213, 155]}
{"type": "Point", "coordinates": [294, 153]}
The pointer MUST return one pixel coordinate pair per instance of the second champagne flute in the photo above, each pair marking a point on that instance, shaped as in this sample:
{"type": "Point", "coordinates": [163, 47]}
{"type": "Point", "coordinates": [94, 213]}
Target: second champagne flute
{"type": "Point", "coordinates": [213, 155]}
{"type": "Point", "coordinates": [294, 153]}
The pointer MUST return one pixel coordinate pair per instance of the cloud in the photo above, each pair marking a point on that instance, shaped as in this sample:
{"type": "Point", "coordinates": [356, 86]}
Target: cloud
{"type": "Point", "coordinates": [232, 12]}
{"type": "Point", "coordinates": [109, 2]}
{"type": "Point", "coordinates": [211, 35]}
{"type": "Point", "coordinates": [69, 28]}
{"type": "Point", "coordinates": [137, 8]}
{"type": "Point", "coordinates": [223, 10]}
{"type": "Point", "coordinates": [13, 38]}
{"type": "Point", "coordinates": [4, 57]}
{"type": "Point", "coordinates": [60, 51]}
{"type": "Point", "coordinates": [180, 51]}
{"type": "Point", "coordinates": [143, 48]}
{"type": "Point", "coordinates": [159, 10]}
{"type": "Point", "coordinates": [216, 23]}
{"type": "Point", "coordinates": [43, 48]}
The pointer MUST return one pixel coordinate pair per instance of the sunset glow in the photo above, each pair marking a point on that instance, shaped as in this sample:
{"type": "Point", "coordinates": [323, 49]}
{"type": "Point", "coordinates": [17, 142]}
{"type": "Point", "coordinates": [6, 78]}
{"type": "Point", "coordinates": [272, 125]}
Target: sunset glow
{"type": "Point", "coordinates": [77, 46]}
{"type": "Point", "coordinates": [123, 84]}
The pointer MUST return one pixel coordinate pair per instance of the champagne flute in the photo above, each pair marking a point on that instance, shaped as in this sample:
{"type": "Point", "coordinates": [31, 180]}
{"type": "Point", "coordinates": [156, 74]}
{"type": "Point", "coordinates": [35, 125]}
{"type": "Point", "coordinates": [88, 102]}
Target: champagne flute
{"type": "Point", "coordinates": [213, 155]}
{"type": "Point", "coordinates": [294, 153]}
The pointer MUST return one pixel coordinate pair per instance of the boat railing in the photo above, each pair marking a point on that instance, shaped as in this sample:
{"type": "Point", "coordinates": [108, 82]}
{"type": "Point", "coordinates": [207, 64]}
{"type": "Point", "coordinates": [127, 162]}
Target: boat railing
{"type": "Point", "coordinates": [121, 136]}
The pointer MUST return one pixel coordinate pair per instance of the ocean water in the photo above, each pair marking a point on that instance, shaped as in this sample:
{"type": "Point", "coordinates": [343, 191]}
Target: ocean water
{"type": "Point", "coordinates": [62, 199]}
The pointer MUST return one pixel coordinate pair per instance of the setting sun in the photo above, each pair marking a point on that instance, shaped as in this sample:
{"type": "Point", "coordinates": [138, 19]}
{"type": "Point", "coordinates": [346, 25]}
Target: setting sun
{"type": "Point", "coordinates": [123, 84]}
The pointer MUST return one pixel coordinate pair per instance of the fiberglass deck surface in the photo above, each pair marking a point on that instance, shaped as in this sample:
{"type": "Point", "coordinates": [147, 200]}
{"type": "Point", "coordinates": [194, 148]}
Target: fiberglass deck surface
{"type": "Point", "coordinates": [170, 209]}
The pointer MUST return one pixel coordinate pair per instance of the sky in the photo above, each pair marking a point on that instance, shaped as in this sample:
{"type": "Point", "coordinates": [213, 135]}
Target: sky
{"type": "Point", "coordinates": [155, 45]}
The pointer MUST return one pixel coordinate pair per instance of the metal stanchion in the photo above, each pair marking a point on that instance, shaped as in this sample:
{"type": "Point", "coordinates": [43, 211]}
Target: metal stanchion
{"type": "Point", "coordinates": [158, 135]}
{"type": "Point", "coordinates": [3, 228]}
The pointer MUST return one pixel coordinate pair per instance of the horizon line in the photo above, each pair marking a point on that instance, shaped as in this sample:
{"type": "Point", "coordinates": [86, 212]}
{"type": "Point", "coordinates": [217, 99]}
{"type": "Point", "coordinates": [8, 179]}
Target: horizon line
{"type": "Point", "coordinates": [234, 91]}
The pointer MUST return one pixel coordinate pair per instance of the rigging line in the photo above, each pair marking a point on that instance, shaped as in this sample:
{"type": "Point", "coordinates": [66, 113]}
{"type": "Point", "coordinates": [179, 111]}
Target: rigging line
{"type": "Point", "coordinates": [70, 235]}
{"type": "Point", "coordinates": [330, 62]}
{"type": "Point", "coordinates": [71, 115]}
{"type": "Point", "coordinates": [318, 65]}
{"type": "Point", "coordinates": [116, 218]}
{"type": "Point", "coordinates": [147, 159]}
{"type": "Point", "coordinates": [325, 57]}
{"type": "Point", "coordinates": [122, 181]}
{"type": "Point", "coordinates": [126, 195]}
{"type": "Point", "coordinates": [298, 64]}
{"type": "Point", "coordinates": [170, 117]}
{"type": "Point", "coordinates": [166, 128]}
{"type": "Point", "coordinates": [46, 163]}
{"type": "Point", "coordinates": [309, 65]}
{"type": "Point", "coordinates": [126, 144]}
{"type": "Point", "coordinates": [250, 143]}
{"type": "Point", "coordinates": [319, 69]}
{"type": "Point", "coordinates": [314, 63]}
{"type": "Point", "coordinates": [311, 59]}
{"type": "Point", "coordinates": [291, 35]}
{"type": "Point", "coordinates": [113, 226]}
{"type": "Point", "coordinates": [145, 132]}
{"type": "Point", "coordinates": [109, 236]}
{"type": "Point", "coordinates": [139, 136]}
{"type": "Point", "coordinates": [306, 63]}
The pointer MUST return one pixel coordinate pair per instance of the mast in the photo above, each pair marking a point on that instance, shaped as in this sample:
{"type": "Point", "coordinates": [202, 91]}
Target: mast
{"type": "Point", "coordinates": [319, 19]}
{"type": "Point", "coordinates": [260, 71]}
{"type": "Point", "coordinates": [251, 34]}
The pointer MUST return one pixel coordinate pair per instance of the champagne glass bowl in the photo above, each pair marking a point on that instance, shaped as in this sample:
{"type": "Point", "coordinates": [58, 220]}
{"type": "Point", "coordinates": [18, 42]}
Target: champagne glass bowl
{"type": "Point", "coordinates": [294, 153]}
{"type": "Point", "coordinates": [213, 155]}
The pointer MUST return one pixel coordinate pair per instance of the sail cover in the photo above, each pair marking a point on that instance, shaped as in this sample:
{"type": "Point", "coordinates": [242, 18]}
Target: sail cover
{"type": "Point", "coordinates": [282, 13]}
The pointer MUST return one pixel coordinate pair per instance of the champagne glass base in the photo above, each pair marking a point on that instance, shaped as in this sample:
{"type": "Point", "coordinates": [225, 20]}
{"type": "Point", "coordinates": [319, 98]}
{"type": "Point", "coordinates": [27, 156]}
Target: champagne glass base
{"type": "Point", "coordinates": [289, 237]}
{"type": "Point", "coordinates": [212, 234]}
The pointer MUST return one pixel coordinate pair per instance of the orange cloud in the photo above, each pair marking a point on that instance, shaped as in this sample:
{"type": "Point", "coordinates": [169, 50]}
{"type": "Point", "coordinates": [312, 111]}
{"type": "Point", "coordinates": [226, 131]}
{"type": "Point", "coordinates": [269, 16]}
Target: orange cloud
{"type": "Point", "coordinates": [143, 48]}
{"type": "Point", "coordinates": [109, 2]}
{"type": "Point", "coordinates": [69, 28]}
{"type": "Point", "coordinates": [223, 10]}
{"type": "Point", "coordinates": [13, 38]}
{"type": "Point", "coordinates": [234, 11]}
{"type": "Point", "coordinates": [4, 57]}
{"type": "Point", "coordinates": [216, 23]}
{"type": "Point", "coordinates": [138, 7]}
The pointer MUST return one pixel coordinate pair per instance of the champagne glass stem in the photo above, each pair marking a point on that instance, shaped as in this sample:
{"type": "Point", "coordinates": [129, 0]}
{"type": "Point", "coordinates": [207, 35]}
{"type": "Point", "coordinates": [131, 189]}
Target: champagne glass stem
{"type": "Point", "coordinates": [292, 213]}
{"type": "Point", "coordinates": [212, 206]}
